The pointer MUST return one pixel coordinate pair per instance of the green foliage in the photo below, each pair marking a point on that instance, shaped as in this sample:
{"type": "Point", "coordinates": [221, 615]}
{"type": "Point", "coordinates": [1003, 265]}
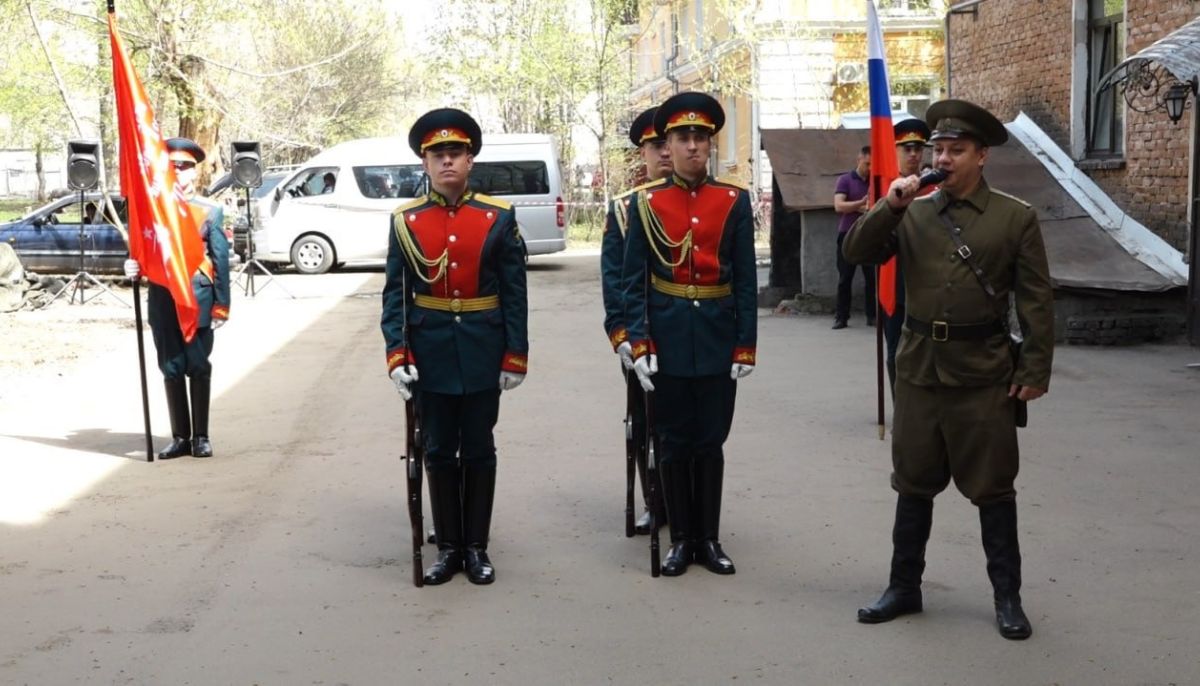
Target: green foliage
{"type": "Point", "coordinates": [32, 112]}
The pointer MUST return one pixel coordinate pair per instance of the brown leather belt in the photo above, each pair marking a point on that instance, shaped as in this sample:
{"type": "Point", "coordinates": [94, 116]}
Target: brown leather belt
{"type": "Point", "coordinates": [456, 305]}
{"type": "Point", "coordinates": [690, 291]}
{"type": "Point", "coordinates": [943, 331]}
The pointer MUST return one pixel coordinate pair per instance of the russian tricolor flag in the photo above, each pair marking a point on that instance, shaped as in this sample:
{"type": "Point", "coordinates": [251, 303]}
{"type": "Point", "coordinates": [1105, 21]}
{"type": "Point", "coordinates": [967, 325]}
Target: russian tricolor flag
{"type": "Point", "coordinates": [884, 169]}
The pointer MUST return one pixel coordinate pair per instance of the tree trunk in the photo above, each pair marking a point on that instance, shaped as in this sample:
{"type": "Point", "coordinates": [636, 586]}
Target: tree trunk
{"type": "Point", "coordinates": [40, 169]}
{"type": "Point", "coordinates": [198, 121]}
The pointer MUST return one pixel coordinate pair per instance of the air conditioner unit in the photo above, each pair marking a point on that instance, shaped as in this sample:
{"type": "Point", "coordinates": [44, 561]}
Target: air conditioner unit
{"type": "Point", "coordinates": [850, 72]}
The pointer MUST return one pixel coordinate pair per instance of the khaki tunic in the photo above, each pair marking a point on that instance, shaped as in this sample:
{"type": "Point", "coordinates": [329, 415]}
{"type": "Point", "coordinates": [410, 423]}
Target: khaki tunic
{"type": "Point", "coordinates": [937, 432]}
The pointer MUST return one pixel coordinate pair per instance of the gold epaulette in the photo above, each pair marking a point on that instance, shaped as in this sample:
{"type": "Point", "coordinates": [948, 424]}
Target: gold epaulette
{"type": "Point", "coordinates": [730, 181]}
{"type": "Point", "coordinates": [648, 185]}
{"type": "Point", "coordinates": [1010, 197]}
{"type": "Point", "coordinates": [626, 194]}
{"type": "Point", "coordinates": [415, 202]}
{"type": "Point", "coordinates": [494, 202]}
{"type": "Point", "coordinates": [619, 206]}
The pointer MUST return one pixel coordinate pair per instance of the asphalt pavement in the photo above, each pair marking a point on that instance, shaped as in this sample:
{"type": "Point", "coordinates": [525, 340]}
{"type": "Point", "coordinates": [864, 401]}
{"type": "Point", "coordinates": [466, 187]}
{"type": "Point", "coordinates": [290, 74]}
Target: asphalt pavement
{"type": "Point", "coordinates": [285, 558]}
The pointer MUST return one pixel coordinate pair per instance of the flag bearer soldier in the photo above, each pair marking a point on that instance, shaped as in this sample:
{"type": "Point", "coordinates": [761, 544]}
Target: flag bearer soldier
{"type": "Point", "coordinates": [689, 265]}
{"type": "Point", "coordinates": [912, 137]}
{"type": "Point", "coordinates": [657, 159]}
{"type": "Point", "coordinates": [456, 266]}
{"type": "Point", "coordinates": [187, 362]}
{"type": "Point", "coordinates": [963, 250]}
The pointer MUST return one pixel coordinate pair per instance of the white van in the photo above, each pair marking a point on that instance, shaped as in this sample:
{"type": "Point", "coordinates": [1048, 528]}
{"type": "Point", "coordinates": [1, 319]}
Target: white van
{"type": "Point", "coordinates": [335, 208]}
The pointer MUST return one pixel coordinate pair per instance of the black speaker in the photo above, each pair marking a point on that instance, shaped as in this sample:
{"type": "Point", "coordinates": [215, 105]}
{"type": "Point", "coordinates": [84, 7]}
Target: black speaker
{"type": "Point", "coordinates": [83, 165]}
{"type": "Point", "coordinates": [246, 160]}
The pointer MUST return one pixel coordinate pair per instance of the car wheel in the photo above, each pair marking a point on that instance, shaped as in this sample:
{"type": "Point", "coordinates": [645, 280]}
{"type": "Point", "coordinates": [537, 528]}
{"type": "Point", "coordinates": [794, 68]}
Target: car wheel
{"type": "Point", "coordinates": [312, 255]}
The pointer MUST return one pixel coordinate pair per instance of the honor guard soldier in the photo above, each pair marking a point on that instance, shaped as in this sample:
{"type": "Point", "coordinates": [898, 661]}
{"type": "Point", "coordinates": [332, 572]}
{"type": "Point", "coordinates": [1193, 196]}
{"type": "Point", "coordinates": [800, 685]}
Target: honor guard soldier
{"type": "Point", "coordinates": [964, 250]}
{"type": "Point", "coordinates": [690, 308]}
{"type": "Point", "coordinates": [912, 137]}
{"type": "Point", "coordinates": [182, 362]}
{"type": "Point", "coordinates": [456, 270]}
{"type": "Point", "coordinates": [657, 159]}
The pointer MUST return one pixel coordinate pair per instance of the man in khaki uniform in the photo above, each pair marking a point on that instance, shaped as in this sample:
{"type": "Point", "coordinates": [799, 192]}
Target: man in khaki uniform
{"type": "Point", "coordinates": [957, 383]}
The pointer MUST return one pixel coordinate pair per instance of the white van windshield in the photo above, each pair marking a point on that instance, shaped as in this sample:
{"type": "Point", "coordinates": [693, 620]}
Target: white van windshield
{"type": "Point", "coordinates": [390, 181]}
{"type": "Point", "coordinates": [312, 181]}
{"type": "Point", "coordinates": [510, 178]}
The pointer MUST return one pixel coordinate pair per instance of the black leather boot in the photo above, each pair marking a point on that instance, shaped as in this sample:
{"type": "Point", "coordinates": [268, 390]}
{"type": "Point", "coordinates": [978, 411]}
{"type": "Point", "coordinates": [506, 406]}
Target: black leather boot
{"type": "Point", "coordinates": [914, 518]}
{"type": "Point", "coordinates": [998, 526]}
{"type": "Point", "coordinates": [181, 423]}
{"type": "Point", "coordinates": [446, 507]}
{"type": "Point", "coordinates": [708, 480]}
{"type": "Point", "coordinates": [201, 394]}
{"type": "Point", "coordinates": [479, 490]}
{"type": "Point", "coordinates": [677, 494]}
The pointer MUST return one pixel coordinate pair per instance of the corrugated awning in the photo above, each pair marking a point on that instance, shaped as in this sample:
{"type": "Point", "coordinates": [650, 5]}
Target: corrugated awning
{"type": "Point", "coordinates": [1178, 52]}
{"type": "Point", "coordinates": [807, 162]}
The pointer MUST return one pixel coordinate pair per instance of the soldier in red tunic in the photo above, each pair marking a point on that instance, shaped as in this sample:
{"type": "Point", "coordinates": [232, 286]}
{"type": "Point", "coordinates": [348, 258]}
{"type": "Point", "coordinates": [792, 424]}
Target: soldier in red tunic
{"type": "Point", "coordinates": [456, 270]}
{"type": "Point", "coordinates": [690, 308]}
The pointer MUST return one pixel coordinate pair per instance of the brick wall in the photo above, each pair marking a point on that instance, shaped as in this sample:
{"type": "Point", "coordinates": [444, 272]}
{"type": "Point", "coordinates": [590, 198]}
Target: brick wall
{"type": "Point", "coordinates": [1016, 56]}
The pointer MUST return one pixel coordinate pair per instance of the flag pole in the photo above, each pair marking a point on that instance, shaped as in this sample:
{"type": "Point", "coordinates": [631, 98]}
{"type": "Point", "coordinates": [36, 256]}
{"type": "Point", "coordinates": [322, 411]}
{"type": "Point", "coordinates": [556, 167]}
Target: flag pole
{"type": "Point", "coordinates": [879, 354]}
{"type": "Point", "coordinates": [137, 317]}
{"type": "Point", "coordinates": [141, 344]}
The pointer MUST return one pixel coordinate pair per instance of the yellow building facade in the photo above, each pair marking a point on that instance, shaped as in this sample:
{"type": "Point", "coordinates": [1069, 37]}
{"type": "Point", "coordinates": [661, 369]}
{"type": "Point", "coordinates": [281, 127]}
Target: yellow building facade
{"type": "Point", "coordinates": [783, 64]}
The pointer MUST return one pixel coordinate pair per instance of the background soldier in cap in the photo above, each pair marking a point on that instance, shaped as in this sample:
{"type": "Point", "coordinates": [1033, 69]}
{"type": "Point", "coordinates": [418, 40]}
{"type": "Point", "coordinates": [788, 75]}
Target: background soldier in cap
{"type": "Point", "coordinates": [912, 137]}
{"type": "Point", "coordinates": [177, 359]}
{"type": "Point", "coordinates": [694, 237]}
{"type": "Point", "coordinates": [957, 382]}
{"type": "Point", "coordinates": [657, 159]}
{"type": "Point", "coordinates": [456, 266]}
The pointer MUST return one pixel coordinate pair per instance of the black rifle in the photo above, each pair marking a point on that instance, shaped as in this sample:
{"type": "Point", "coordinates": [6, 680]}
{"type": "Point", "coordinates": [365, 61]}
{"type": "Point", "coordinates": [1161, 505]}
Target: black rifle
{"type": "Point", "coordinates": [414, 454]}
{"type": "Point", "coordinates": [651, 452]}
{"type": "Point", "coordinates": [631, 448]}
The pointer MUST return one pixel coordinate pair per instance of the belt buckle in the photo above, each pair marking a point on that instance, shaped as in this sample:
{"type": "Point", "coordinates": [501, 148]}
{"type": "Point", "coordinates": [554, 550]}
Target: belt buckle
{"type": "Point", "coordinates": [691, 291]}
{"type": "Point", "coordinates": [945, 332]}
{"type": "Point", "coordinates": [963, 251]}
{"type": "Point", "coordinates": [456, 305]}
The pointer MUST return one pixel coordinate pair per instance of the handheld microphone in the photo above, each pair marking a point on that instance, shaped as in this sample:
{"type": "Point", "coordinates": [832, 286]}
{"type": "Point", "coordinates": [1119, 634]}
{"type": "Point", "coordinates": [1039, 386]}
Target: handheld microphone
{"type": "Point", "coordinates": [927, 179]}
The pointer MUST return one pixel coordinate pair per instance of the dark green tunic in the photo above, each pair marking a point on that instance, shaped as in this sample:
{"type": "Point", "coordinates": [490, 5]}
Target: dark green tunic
{"type": "Point", "coordinates": [953, 418]}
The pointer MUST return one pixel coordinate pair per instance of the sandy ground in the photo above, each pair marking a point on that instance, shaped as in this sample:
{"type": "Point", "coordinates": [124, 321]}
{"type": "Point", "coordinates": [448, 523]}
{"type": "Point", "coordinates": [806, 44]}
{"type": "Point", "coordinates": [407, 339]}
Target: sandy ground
{"type": "Point", "coordinates": [284, 559]}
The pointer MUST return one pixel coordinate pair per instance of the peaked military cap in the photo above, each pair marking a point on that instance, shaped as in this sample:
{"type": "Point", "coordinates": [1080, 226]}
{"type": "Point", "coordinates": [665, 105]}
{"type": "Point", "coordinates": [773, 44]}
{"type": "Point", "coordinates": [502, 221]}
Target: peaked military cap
{"type": "Point", "coordinates": [642, 131]}
{"type": "Point", "coordinates": [445, 125]}
{"type": "Point", "coordinates": [689, 111]}
{"type": "Point", "coordinates": [959, 118]}
{"type": "Point", "coordinates": [184, 150]}
{"type": "Point", "coordinates": [911, 132]}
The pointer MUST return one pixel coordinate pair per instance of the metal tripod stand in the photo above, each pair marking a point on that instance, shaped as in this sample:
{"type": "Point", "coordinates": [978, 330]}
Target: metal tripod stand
{"type": "Point", "coordinates": [251, 264]}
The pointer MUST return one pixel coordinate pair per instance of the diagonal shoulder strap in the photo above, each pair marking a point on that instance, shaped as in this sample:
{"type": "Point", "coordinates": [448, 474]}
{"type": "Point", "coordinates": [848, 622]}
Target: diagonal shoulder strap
{"type": "Point", "coordinates": [965, 253]}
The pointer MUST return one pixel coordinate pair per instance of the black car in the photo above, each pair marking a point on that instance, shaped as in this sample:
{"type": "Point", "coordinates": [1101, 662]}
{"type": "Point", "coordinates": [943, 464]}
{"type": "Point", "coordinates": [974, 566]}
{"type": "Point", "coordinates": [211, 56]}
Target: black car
{"type": "Point", "coordinates": [53, 239]}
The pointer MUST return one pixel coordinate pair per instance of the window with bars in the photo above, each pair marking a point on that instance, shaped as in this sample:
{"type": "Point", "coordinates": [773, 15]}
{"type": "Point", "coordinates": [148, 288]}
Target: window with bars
{"type": "Point", "coordinates": [1106, 49]}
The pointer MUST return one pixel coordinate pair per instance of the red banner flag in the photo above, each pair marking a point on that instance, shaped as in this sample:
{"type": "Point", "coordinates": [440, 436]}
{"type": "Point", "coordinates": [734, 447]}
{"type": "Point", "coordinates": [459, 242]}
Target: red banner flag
{"type": "Point", "coordinates": [884, 168]}
{"type": "Point", "coordinates": [163, 236]}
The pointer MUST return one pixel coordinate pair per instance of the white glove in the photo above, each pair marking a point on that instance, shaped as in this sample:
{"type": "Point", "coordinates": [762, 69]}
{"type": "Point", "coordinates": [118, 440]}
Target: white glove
{"type": "Point", "coordinates": [645, 367]}
{"type": "Point", "coordinates": [132, 270]}
{"type": "Point", "coordinates": [740, 371]}
{"type": "Point", "coordinates": [403, 376]}
{"type": "Point", "coordinates": [625, 351]}
{"type": "Point", "coordinates": [218, 323]}
{"type": "Point", "coordinates": [510, 380]}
